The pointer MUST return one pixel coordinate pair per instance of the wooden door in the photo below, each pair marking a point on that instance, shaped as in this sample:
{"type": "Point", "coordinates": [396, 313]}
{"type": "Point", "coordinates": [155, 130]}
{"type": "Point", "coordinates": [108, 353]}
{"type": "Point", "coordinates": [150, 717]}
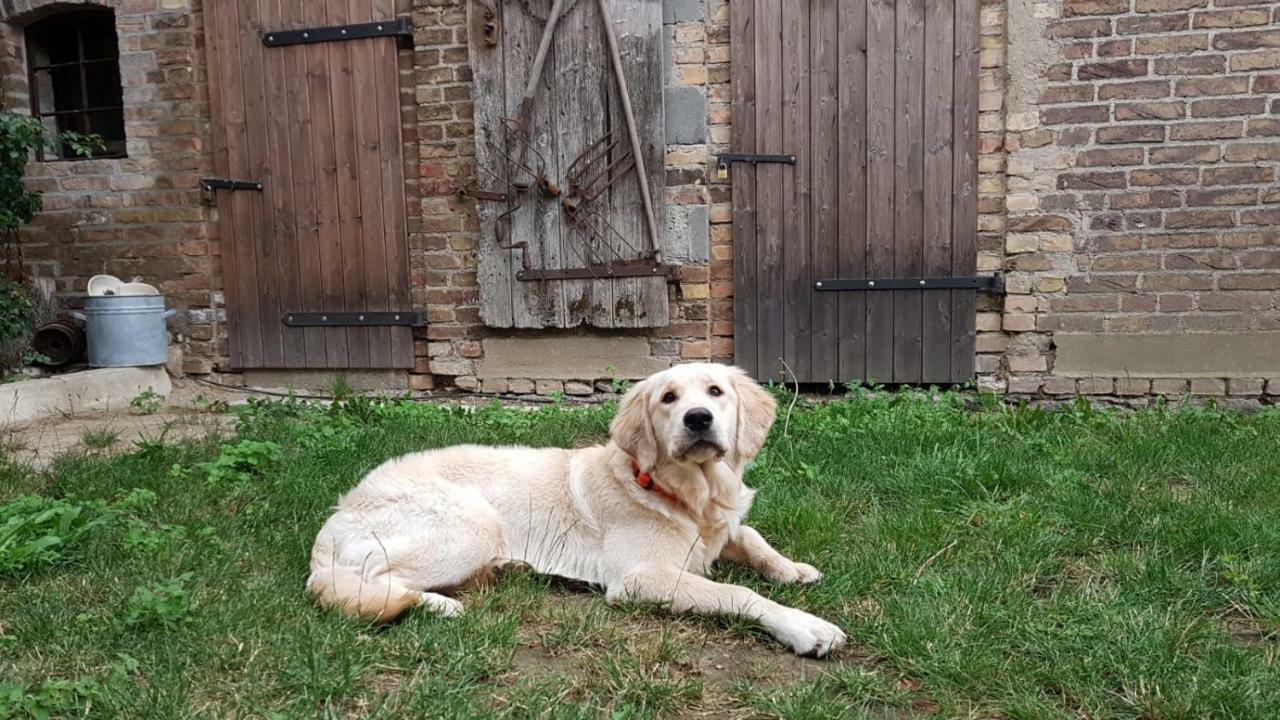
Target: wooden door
{"type": "Point", "coordinates": [877, 100]}
{"type": "Point", "coordinates": [532, 233]}
{"type": "Point", "coordinates": [318, 126]}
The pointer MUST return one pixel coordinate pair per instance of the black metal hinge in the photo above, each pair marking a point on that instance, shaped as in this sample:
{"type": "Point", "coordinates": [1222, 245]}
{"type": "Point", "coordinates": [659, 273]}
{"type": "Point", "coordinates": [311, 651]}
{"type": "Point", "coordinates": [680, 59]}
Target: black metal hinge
{"type": "Point", "coordinates": [989, 283]}
{"type": "Point", "coordinates": [354, 319]}
{"type": "Point", "coordinates": [400, 28]}
{"type": "Point", "coordinates": [724, 160]}
{"type": "Point", "coordinates": [211, 184]}
{"type": "Point", "coordinates": [600, 272]}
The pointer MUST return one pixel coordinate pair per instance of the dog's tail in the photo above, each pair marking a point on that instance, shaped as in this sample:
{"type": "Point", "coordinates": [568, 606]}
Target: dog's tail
{"type": "Point", "coordinates": [379, 597]}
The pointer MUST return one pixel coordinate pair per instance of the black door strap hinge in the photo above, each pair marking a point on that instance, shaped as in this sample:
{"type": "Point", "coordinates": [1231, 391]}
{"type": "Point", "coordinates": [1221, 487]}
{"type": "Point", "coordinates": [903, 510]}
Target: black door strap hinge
{"type": "Point", "coordinates": [211, 184]}
{"type": "Point", "coordinates": [988, 283]}
{"type": "Point", "coordinates": [354, 319]}
{"type": "Point", "coordinates": [399, 28]}
{"type": "Point", "coordinates": [724, 160]}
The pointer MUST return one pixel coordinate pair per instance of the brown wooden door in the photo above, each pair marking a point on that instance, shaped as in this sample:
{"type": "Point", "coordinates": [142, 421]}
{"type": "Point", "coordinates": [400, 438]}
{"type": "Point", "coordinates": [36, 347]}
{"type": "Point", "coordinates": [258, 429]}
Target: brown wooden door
{"type": "Point", "coordinates": [877, 100]}
{"type": "Point", "coordinates": [318, 125]}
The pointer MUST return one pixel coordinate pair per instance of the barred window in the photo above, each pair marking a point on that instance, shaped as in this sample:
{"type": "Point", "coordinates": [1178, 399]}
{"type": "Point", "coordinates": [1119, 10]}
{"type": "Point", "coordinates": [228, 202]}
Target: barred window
{"type": "Point", "coordinates": [74, 65]}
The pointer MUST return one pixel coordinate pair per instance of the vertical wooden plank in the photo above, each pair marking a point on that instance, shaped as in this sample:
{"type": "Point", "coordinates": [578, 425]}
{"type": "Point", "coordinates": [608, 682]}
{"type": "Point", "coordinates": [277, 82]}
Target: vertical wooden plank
{"type": "Point", "coordinates": [742, 66]}
{"type": "Point", "coordinates": [531, 306]}
{"type": "Point", "coordinates": [243, 241]}
{"type": "Point", "coordinates": [349, 228]}
{"type": "Point", "coordinates": [770, 289]}
{"type": "Point", "coordinates": [489, 98]}
{"type": "Point", "coordinates": [880, 185]}
{"type": "Point", "coordinates": [824, 69]}
{"type": "Point", "coordinates": [265, 249]}
{"type": "Point", "coordinates": [938, 86]}
{"type": "Point", "coordinates": [278, 188]}
{"type": "Point", "coordinates": [639, 302]}
{"type": "Point", "coordinates": [852, 164]}
{"type": "Point", "coordinates": [908, 223]}
{"type": "Point", "coordinates": [301, 141]}
{"type": "Point", "coordinates": [366, 206]}
{"type": "Point", "coordinates": [325, 167]}
{"type": "Point", "coordinates": [220, 112]}
{"type": "Point", "coordinates": [581, 90]}
{"type": "Point", "coordinates": [391, 149]}
{"type": "Point", "coordinates": [796, 193]}
{"type": "Point", "coordinates": [964, 216]}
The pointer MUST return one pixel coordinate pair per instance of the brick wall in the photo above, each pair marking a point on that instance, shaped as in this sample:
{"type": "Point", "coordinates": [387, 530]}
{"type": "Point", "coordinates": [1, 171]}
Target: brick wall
{"type": "Point", "coordinates": [140, 215]}
{"type": "Point", "coordinates": [1128, 186]}
{"type": "Point", "coordinates": [1142, 196]}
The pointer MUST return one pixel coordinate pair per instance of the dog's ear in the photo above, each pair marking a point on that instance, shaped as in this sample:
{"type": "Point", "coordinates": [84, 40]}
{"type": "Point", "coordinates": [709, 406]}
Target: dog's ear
{"type": "Point", "coordinates": [632, 428]}
{"type": "Point", "coordinates": [756, 411]}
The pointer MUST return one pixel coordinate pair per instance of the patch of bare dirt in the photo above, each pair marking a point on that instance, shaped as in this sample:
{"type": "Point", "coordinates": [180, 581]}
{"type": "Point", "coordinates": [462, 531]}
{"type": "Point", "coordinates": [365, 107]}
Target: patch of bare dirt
{"type": "Point", "coordinates": [191, 410]}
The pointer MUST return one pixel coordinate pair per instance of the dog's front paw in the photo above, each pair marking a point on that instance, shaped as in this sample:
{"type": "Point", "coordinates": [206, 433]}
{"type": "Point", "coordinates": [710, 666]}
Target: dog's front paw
{"type": "Point", "coordinates": [795, 572]}
{"type": "Point", "coordinates": [806, 634]}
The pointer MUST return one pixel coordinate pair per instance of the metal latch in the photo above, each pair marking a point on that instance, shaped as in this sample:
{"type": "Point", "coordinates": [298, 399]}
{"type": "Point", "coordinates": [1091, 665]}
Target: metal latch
{"type": "Point", "coordinates": [400, 28]}
{"type": "Point", "coordinates": [354, 319]}
{"type": "Point", "coordinates": [989, 283]}
{"type": "Point", "coordinates": [211, 184]}
{"type": "Point", "coordinates": [724, 160]}
{"type": "Point", "coordinates": [599, 272]}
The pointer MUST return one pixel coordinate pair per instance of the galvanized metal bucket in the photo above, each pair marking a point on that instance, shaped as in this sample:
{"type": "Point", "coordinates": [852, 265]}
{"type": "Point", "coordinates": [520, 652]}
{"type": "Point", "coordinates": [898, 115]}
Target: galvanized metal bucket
{"type": "Point", "coordinates": [125, 330]}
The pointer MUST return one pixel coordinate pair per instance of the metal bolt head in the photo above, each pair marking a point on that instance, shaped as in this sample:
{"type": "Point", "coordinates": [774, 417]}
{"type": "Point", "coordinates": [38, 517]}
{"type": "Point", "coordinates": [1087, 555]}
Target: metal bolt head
{"type": "Point", "coordinates": [324, 318]}
{"type": "Point", "coordinates": [871, 283]}
{"type": "Point", "coordinates": [921, 282]}
{"type": "Point", "coordinates": [818, 284]}
{"type": "Point", "coordinates": [306, 35]}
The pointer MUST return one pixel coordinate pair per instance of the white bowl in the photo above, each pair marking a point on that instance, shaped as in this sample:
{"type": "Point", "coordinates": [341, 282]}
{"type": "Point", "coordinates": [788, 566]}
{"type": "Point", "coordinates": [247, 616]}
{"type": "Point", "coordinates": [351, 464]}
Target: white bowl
{"type": "Point", "coordinates": [104, 285]}
{"type": "Point", "coordinates": [136, 288]}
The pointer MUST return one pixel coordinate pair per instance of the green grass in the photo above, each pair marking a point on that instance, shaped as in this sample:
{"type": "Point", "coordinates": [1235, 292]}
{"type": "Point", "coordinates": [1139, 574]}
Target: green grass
{"type": "Point", "coordinates": [100, 438]}
{"type": "Point", "coordinates": [1002, 563]}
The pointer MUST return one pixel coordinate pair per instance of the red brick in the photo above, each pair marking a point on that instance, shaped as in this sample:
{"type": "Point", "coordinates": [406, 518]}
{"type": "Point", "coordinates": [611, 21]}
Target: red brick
{"type": "Point", "coordinates": [1152, 24]}
{"type": "Point", "coordinates": [1261, 260]}
{"type": "Point", "coordinates": [1039, 223]}
{"type": "Point", "coordinates": [1145, 199]}
{"type": "Point", "coordinates": [1229, 301]}
{"type": "Point", "coordinates": [1226, 108]}
{"type": "Point", "coordinates": [1216, 130]}
{"type": "Point", "coordinates": [1111, 157]}
{"type": "Point", "coordinates": [1246, 40]}
{"type": "Point", "coordinates": [1132, 90]}
{"type": "Point", "coordinates": [1200, 219]}
{"type": "Point", "coordinates": [1270, 217]}
{"type": "Point", "coordinates": [1266, 84]}
{"type": "Point", "coordinates": [1261, 60]}
{"type": "Point", "coordinates": [1253, 152]}
{"type": "Point", "coordinates": [1150, 111]}
{"type": "Point", "coordinates": [1238, 175]}
{"type": "Point", "coordinates": [1091, 181]}
{"type": "Point", "coordinates": [1074, 115]}
{"type": "Point", "coordinates": [1114, 48]}
{"type": "Point", "coordinates": [1231, 18]}
{"type": "Point", "coordinates": [1113, 69]}
{"type": "Point", "coordinates": [1072, 8]}
{"type": "Point", "coordinates": [1164, 176]}
{"type": "Point", "coordinates": [1196, 65]}
{"type": "Point", "coordinates": [1250, 281]}
{"type": "Point", "coordinates": [1234, 196]}
{"type": "Point", "coordinates": [1212, 86]}
{"type": "Point", "coordinates": [1157, 6]}
{"type": "Point", "coordinates": [1131, 134]}
{"type": "Point", "coordinates": [1177, 281]}
{"type": "Point", "coordinates": [1186, 154]}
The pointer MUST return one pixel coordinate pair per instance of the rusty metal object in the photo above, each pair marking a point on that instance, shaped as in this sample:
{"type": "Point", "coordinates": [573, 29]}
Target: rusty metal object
{"type": "Point", "coordinates": [592, 172]}
{"type": "Point", "coordinates": [600, 272]}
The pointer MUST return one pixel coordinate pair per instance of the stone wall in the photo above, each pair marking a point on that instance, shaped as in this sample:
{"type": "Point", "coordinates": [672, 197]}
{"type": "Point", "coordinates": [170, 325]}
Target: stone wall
{"type": "Point", "coordinates": [141, 215]}
{"type": "Point", "coordinates": [1142, 248]}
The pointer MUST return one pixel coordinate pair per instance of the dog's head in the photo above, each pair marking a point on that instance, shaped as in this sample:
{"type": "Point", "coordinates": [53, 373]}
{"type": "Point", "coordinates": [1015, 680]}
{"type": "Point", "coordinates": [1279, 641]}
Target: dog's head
{"type": "Point", "coordinates": [694, 413]}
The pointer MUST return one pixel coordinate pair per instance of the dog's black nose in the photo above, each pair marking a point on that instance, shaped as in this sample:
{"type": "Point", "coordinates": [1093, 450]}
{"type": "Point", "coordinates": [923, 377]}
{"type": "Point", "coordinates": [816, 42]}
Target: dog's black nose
{"type": "Point", "coordinates": [698, 419]}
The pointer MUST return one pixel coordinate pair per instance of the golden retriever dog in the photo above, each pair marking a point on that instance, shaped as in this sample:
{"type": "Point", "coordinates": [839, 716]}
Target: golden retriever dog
{"type": "Point", "coordinates": [643, 516]}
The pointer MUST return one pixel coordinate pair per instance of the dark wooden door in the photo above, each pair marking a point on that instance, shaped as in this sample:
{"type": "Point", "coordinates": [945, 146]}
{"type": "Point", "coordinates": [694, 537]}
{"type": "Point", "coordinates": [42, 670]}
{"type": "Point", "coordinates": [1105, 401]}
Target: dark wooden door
{"type": "Point", "coordinates": [318, 125]}
{"type": "Point", "coordinates": [877, 100]}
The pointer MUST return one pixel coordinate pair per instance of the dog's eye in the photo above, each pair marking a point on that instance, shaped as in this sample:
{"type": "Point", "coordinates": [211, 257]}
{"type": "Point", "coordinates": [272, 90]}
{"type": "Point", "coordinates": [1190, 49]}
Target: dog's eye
{"type": "Point", "coordinates": [668, 397]}
{"type": "Point", "coordinates": [715, 391]}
